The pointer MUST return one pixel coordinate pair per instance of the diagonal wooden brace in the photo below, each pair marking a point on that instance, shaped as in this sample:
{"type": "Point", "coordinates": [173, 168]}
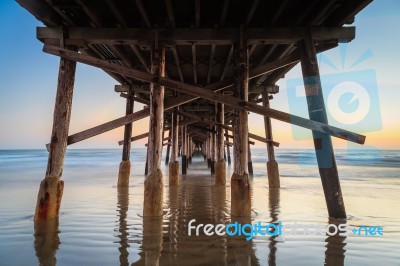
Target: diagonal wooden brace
{"type": "Point", "coordinates": [196, 92]}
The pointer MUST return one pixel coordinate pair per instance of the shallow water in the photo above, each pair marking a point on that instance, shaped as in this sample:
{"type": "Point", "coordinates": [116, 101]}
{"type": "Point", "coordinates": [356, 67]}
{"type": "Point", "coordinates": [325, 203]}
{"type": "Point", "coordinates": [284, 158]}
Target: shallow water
{"type": "Point", "coordinates": [102, 225]}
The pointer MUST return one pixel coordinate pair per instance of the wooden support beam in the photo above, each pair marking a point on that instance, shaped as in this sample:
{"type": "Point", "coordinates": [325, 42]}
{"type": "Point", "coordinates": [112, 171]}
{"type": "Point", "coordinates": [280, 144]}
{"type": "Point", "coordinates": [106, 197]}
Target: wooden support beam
{"type": "Point", "coordinates": [227, 62]}
{"type": "Point", "coordinates": [170, 12]}
{"type": "Point", "coordinates": [228, 152]}
{"type": "Point", "coordinates": [125, 165]}
{"type": "Point", "coordinates": [177, 62]}
{"type": "Point", "coordinates": [138, 54]}
{"type": "Point", "coordinates": [168, 148]}
{"type": "Point", "coordinates": [211, 122]}
{"type": "Point", "coordinates": [153, 185]}
{"type": "Point", "coordinates": [189, 36]}
{"type": "Point", "coordinates": [220, 165]}
{"type": "Point", "coordinates": [143, 13]}
{"type": "Point", "coordinates": [51, 188]}
{"type": "Point", "coordinates": [197, 12]}
{"type": "Point", "coordinates": [251, 11]}
{"type": "Point", "coordinates": [184, 155]}
{"type": "Point", "coordinates": [141, 136]}
{"type": "Point", "coordinates": [212, 53]}
{"type": "Point", "coordinates": [322, 141]}
{"type": "Point", "coordinates": [194, 64]}
{"type": "Point", "coordinates": [250, 162]}
{"type": "Point", "coordinates": [240, 183]}
{"type": "Point", "coordinates": [272, 165]}
{"type": "Point", "coordinates": [207, 93]}
{"type": "Point", "coordinates": [174, 164]}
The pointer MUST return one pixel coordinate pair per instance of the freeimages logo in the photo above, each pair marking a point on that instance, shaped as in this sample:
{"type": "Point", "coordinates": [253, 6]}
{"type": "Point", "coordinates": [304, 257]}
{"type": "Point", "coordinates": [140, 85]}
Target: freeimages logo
{"type": "Point", "coordinates": [351, 98]}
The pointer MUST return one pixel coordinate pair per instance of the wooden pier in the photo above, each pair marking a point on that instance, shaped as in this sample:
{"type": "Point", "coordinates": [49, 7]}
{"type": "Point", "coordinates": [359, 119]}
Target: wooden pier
{"type": "Point", "coordinates": [199, 67]}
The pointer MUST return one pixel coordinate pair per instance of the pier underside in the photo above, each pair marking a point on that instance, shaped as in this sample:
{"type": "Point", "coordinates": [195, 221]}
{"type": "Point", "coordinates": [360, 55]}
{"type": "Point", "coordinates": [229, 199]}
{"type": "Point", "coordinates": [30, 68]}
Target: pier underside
{"type": "Point", "coordinates": [199, 67]}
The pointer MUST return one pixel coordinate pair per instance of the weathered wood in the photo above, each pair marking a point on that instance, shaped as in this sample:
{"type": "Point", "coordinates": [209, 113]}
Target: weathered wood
{"type": "Point", "coordinates": [228, 150]}
{"type": "Point", "coordinates": [168, 149]}
{"type": "Point", "coordinates": [220, 132]}
{"type": "Point", "coordinates": [240, 121]}
{"type": "Point", "coordinates": [198, 92]}
{"type": "Point", "coordinates": [156, 113]}
{"type": "Point", "coordinates": [126, 149]}
{"type": "Point", "coordinates": [211, 122]}
{"type": "Point", "coordinates": [250, 162]}
{"type": "Point", "coordinates": [184, 143]}
{"type": "Point", "coordinates": [153, 185]}
{"type": "Point", "coordinates": [146, 167]}
{"type": "Point", "coordinates": [125, 165]}
{"type": "Point", "coordinates": [51, 187]}
{"type": "Point", "coordinates": [272, 165]}
{"type": "Point", "coordinates": [189, 36]}
{"type": "Point", "coordinates": [212, 149]}
{"type": "Point", "coordinates": [175, 137]}
{"type": "Point", "coordinates": [220, 165]}
{"type": "Point", "coordinates": [141, 136]}
{"type": "Point", "coordinates": [240, 183]}
{"type": "Point", "coordinates": [322, 142]}
{"type": "Point", "coordinates": [174, 164]}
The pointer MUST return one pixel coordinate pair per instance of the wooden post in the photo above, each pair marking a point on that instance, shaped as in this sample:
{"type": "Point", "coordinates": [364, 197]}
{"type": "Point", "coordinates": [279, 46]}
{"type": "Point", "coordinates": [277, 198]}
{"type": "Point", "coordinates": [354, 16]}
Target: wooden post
{"type": "Point", "coordinates": [322, 142]}
{"type": "Point", "coordinates": [146, 167]}
{"type": "Point", "coordinates": [250, 162]}
{"type": "Point", "coordinates": [240, 183]}
{"type": "Point", "coordinates": [168, 147]}
{"type": "Point", "coordinates": [220, 165]}
{"type": "Point", "coordinates": [174, 164]}
{"type": "Point", "coordinates": [228, 150]}
{"type": "Point", "coordinates": [187, 147]}
{"type": "Point", "coordinates": [190, 149]}
{"type": "Point", "coordinates": [212, 155]}
{"type": "Point", "coordinates": [52, 187]}
{"type": "Point", "coordinates": [153, 185]}
{"type": "Point", "coordinates": [272, 165]}
{"type": "Point", "coordinates": [209, 150]}
{"type": "Point", "coordinates": [184, 158]}
{"type": "Point", "coordinates": [125, 165]}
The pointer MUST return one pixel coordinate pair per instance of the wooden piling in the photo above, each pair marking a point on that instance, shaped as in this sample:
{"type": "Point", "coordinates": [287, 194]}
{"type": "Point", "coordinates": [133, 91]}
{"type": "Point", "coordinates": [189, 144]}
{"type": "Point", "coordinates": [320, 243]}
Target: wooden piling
{"type": "Point", "coordinates": [153, 185]}
{"type": "Point", "coordinates": [228, 150]}
{"type": "Point", "coordinates": [52, 187]}
{"type": "Point", "coordinates": [146, 167]}
{"type": "Point", "coordinates": [125, 165]}
{"type": "Point", "coordinates": [240, 183]}
{"type": "Point", "coordinates": [168, 148]}
{"type": "Point", "coordinates": [322, 142]}
{"type": "Point", "coordinates": [184, 143]}
{"type": "Point", "coordinates": [212, 147]}
{"type": "Point", "coordinates": [174, 164]}
{"type": "Point", "coordinates": [250, 162]}
{"type": "Point", "coordinates": [220, 166]}
{"type": "Point", "coordinates": [272, 164]}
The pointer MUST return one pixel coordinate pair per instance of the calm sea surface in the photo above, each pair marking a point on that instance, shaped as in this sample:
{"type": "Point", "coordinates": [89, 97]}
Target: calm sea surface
{"type": "Point", "coordinates": [102, 225]}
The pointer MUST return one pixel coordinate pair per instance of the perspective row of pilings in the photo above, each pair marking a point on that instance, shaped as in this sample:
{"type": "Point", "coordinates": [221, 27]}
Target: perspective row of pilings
{"type": "Point", "coordinates": [213, 146]}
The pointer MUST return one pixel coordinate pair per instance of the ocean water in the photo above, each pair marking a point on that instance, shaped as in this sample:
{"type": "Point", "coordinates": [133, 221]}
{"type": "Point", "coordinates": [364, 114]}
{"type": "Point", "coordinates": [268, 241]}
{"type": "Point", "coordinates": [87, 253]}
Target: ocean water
{"type": "Point", "coordinates": [100, 224]}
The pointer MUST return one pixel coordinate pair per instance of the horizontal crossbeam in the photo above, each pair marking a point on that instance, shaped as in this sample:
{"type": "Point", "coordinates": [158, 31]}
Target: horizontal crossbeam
{"type": "Point", "coordinates": [188, 36]}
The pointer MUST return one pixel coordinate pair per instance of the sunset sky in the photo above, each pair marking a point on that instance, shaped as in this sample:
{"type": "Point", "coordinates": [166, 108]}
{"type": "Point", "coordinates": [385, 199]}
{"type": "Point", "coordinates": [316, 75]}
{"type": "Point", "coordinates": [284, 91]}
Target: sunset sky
{"type": "Point", "coordinates": [28, 80]}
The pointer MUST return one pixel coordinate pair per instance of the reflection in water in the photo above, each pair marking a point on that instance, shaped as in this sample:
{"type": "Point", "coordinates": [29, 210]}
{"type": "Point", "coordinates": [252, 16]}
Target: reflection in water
{"type": "Point", "coordinates": [274, 210]}
{"type": "Point", "coordinates": [46, 241]}
{"type": "Point", "coordinates": [240, 250]}
{"type": "Point", "coordinates": [123, 203]}
{"type": "Point", "coordinates": [334, 254]}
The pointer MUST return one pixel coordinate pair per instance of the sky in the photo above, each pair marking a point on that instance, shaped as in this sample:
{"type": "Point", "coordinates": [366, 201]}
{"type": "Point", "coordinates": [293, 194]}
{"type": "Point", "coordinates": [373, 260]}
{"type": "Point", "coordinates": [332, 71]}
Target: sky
{"type": "Point", "coordinates": [360, 80]}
